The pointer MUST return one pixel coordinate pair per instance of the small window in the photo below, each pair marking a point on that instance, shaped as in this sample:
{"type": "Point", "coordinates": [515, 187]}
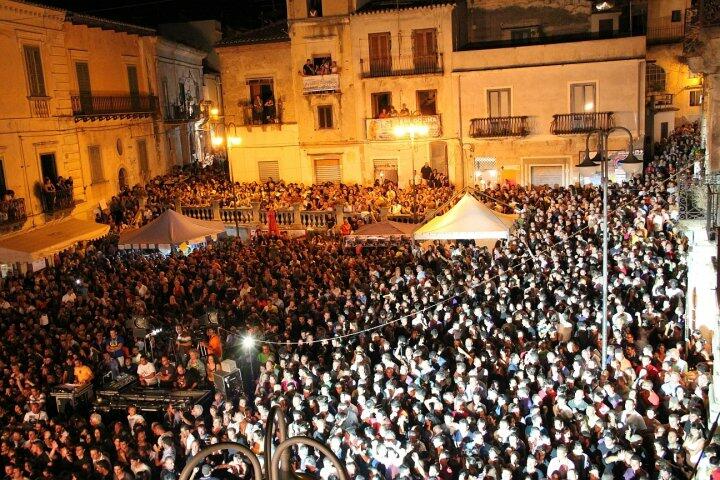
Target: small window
{"type": "Point", "coordinates": [606, 27]}
{"type": "Point", "coordinates": [381, 103]}
{"type": "Point", "coordinates": [325, 116]}
{"type": "Point", "coordinates": [142, 155]}
{"type": "Point", "coordinates": [582, 98]}
{"type": "Point", "coordinates": [654, 78]}
{"type": "Point", "coordinates": [521, 34]}
{"type": "Point", "coordinates": [499, 103]}
{"type": "Point", "coordinates": [696, 98]}
{"type": "Point", "coordinates": [426, 102]}
{"type": "Point", "coordinates": [676, 16]}
{"type": "Point", "coordinates": [96, 169]}
{"type": "Point", "coordinates": [34, 68]}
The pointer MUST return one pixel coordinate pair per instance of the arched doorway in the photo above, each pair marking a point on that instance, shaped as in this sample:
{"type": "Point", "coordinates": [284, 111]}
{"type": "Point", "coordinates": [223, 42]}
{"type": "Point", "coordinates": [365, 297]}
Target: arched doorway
{"type": "Point", "coordinates": [122, 178]}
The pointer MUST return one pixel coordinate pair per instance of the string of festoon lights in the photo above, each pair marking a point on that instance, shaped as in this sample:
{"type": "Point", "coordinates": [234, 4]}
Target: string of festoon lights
{"type": "Point", "coordinates": [249, 341]}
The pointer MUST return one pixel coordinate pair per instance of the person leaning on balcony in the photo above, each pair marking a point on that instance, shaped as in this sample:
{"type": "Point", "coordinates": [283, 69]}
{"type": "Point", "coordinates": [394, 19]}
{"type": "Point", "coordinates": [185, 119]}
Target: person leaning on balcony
{"type": "Point", "coordinates": [308, 68]}
{"type": "Point", "coordinates": [383, 113]}
{"type": "Point", "coordinates": [393, 112]}
{"type": "Point", "coordinates": [257, 109]}
{"type": "Point", "coordinates": [334, 67]}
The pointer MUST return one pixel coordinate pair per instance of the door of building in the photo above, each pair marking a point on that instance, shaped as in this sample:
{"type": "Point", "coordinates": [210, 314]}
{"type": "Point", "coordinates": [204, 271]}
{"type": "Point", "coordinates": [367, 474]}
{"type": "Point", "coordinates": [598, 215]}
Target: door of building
{"type": "Point", "coordinates": [379, 47]}
{"type": "Point", "coordinates": [83, 79]}
{"type": "Point", "coordinates": [546, 175]}
{"type": "Point", "coordinates": [386, 170]}
{"type": "Point", "coordinates": [424, 45]}
{"type": "Point", "coordinates": [438, 157]}
{"type": "Point", "coordinates": [328, 170]}
{"type": "Point", "coordinates": [133, 86]}
{"type": "Point", "coordinates": [268, 170]}
{"type": "Point", "coordinates": [48, 167]}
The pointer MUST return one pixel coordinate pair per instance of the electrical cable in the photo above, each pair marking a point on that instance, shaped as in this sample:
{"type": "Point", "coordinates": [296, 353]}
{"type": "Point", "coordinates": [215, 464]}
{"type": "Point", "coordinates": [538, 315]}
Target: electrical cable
{"type": "Point", "coordinates": [440, 302]}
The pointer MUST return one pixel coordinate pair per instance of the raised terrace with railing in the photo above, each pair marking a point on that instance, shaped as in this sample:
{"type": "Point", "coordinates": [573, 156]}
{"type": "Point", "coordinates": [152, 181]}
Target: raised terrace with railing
{"type": "Point", "coordinates": [294, 218]}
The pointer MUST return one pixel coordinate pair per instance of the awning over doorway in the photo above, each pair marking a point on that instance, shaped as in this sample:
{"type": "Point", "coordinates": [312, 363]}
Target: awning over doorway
{"type": "Point", "coordinates": [42, 242]}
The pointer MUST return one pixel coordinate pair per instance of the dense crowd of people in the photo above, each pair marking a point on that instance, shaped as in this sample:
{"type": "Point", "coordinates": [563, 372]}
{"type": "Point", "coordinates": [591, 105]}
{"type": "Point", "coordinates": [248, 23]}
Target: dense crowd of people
{"type": "Point", "coordinates": [449, 362]}
{"type": "Point", "coordinates": [204, 186]}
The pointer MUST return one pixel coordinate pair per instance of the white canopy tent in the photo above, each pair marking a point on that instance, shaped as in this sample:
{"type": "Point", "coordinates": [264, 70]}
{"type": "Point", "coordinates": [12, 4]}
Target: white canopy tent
{"type": "Point", "coordinates": [170, 229]}
{"type": "Point", "coordinates": [468, 219]}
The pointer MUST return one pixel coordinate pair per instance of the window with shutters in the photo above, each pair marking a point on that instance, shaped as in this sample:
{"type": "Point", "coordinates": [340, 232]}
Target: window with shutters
{"type": "Point", "coordinates": [380, 47]}
{"type": "Point", "coordinates": [96, 168]}
{"type": "Point", "coordinates": [498, 102]}
{"type": "Point", "coordinates": [34, 69]}
{"type": "Point", "coordinates": [582, 98]}
{"type": "Point", "coordinates": [327, 170]}
{"type": "Point", "coordinates": [425, 52]}
{"type": "Point", "coordinates": [142, 155]}
{"type": "Point", "coordinates": [696, 98]}
{"type": "Point", "coordinates": [268, 170]}
{"type": "Point", "coordinates": [325, 117]}
{"type": "Point", "coordinates": [82, 72]}
{"type": "Point", "coordinates": [654, 78]}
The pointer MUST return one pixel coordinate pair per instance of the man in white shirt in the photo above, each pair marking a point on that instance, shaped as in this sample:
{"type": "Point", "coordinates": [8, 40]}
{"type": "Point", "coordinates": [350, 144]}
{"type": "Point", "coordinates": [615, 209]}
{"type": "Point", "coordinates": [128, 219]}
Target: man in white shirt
{"type": "Point", "coordinates": [146, 372]}
{"type": "Point", "coordinates": [69, 297]}
{"type": "Point", "coordinates": [561, 463]}
{"type": "Point", "coordinates": [35, 414]}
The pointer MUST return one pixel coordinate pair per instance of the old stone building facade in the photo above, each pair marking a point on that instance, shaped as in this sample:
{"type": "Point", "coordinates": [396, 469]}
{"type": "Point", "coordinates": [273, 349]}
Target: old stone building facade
{"type": "Point", "coordinates": [468, 73]}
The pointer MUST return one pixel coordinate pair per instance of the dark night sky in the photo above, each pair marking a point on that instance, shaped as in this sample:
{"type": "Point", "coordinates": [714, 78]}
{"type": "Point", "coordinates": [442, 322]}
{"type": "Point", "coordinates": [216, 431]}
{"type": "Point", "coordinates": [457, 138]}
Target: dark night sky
{"type": "Point", "coordinates": [237, 14]}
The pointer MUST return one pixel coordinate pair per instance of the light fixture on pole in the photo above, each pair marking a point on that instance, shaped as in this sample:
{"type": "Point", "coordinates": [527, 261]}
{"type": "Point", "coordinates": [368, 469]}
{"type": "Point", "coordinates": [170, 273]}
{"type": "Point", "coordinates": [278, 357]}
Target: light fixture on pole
{"type": "Point", "coordinates": [412, 130]}
{"type": "Point", "coordinates": [603, 137]}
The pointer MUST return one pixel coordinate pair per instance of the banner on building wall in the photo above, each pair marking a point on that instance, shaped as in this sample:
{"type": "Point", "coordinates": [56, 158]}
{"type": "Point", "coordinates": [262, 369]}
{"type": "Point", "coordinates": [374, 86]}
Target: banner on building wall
{"type": "Point", "coordinates": [321, 83]}
{"type": "Point", "coordinates": [384, 128]}
{"type": "Point", "coordinates": [38, 265]}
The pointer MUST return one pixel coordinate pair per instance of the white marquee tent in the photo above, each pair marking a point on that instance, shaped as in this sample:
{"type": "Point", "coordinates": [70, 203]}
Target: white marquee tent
{"type": "Point", "coordinates": [468, 219]}
{"type": "Point", "coordinates": [170, 229]}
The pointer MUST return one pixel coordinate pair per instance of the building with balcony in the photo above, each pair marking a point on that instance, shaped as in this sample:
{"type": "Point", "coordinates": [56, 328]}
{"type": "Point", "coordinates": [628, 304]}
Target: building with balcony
{"type": "Point", "coordinates": [79, 112]}
{"type": "Point", "coordinates": [181, 96]}
{"type": "Point", "coordinates": [339, 78]}
{"type": "Point", "coordinates": [673, 92]}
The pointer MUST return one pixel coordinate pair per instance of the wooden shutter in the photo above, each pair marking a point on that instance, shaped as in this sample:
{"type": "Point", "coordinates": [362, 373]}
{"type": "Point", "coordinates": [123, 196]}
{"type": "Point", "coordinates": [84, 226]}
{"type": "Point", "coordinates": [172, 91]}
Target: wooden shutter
{"type": "Point", "coordinates": [133, 85]}
{"type": "Point", "coordinates": [424, 43]}
{"type": "Point", "coordinates": [438, 157]}
{"type": "Point", "coordinates": [268, 170]}
{"type": "Point", "coordinates": [96, 169]}
{"type": "Point", "coordinates": [379, 47]}
{"type": "Point", "coordinates": [33, 64]}
{"type": "Point", "coordinates": [327, 170]}
{"type": "Point", "coordinates": [546, 175]}
{"type": "Point", "coordinates": [83, 78]}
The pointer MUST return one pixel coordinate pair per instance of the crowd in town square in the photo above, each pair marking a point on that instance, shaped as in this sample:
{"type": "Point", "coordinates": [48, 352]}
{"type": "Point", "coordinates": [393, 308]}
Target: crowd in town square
{"type": "Point", "coordinates": [202, 187]}
{"type": "Point", "coordinates": [444, 361]}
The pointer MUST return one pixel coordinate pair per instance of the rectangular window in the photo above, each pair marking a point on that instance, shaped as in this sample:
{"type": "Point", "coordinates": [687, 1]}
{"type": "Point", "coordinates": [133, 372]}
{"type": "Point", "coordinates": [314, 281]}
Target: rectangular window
{"type": "Point", "coordinates": [426, 102]}
{"type": "Point", "coordinates": [379, 48]}
{"type": "Point", "coordinates": [325, 116]}
{"type": "Point", "coordinates": [606, 27]}
{"type": "Point", "coordinates": [425, 52]}
{"type": "Point", "coordinates": [262, 99]}
{"type": "Point", "coordinates": [314, 8]}
{"type": "Point", "coordinates": [96, 168]}
{"type": "Point", "coordinates": [34, 68]}
{"type": "Point", "coordinates": [381, 103]}
{"type": "Point", "coordinates": [696, 98]}
{"type": "Point", "coordinates": [676, 16]}
{"type": "Point", "coordinates": [142, 156]}
{"type": "Point", "coordinates": [498, 102]}
{"type": "Point", "coordinates": [133, 84]}
{"type": "Point", "coordinates": [82, 72]}
{"type": "Point", "coordinates": [582, 98]}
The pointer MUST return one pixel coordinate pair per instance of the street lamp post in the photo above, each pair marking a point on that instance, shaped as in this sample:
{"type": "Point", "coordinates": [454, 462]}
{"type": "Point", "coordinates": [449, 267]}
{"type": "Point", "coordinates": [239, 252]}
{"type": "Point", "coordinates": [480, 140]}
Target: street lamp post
{"type": "Point", "coordinates": [604, 161]}
{"type": "Point", "coordinates": [233, 141]}
{"type": "Point", "coordinates": [412, 130]}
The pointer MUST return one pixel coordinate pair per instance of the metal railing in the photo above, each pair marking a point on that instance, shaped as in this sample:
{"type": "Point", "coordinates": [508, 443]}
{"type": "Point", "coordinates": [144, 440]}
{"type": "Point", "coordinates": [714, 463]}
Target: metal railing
{"type": "Point", "coordinates": [664, 30]}
{"type": "Point", "coordinates": [661, 101]}
{"type": "Point", "coordinates": [114, 105]}
{"type": "Point", "coordinates": [394, 66]}
{"type": "Point", "coordinates": [57, 201]}
{"type": "Point", "coordinates": [499, 127]}
{"type": "Point", "coordinates": [179, 113]}
{"type": "Point", "coordinates": [39, 107]}
{"type": "Point", "coordinates": [570, 123]}
{"type": "Point", "coordinates": [12, 212]}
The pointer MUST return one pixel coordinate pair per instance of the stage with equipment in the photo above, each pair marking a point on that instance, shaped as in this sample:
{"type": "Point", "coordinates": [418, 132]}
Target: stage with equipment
{"type": "Point", "coordinates": [70, 396]}
{"type": "Point", "coordinates": [125, 391]}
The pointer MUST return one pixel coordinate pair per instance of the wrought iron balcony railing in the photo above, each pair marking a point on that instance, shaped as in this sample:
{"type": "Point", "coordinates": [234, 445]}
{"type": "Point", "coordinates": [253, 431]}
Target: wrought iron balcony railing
{"type": "Point", "coordinates": [499, 127]}
{"type": "Point", "coordinates": [12, 212]}
{"type": "Point", "coordinates": [394, 66]}
{"type": "Point", "coordinates": [113, 106]}
{"type": "Point", "coordinates": [570, 123]}
{"type": "Point", "coordinates": [179, 113]}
